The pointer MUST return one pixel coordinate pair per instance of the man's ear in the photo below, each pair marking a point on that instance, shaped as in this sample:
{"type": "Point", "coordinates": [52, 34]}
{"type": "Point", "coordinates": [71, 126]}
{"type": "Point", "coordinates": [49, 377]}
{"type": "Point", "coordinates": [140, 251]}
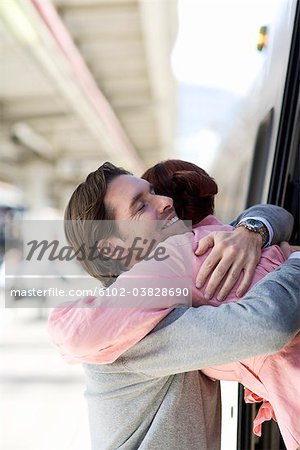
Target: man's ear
{"type": "Point", "coordinates": [113, 247]}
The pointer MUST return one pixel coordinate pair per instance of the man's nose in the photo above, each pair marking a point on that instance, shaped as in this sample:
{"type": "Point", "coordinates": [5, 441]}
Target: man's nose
{"type": "Point", "coordinates": [163, 203]}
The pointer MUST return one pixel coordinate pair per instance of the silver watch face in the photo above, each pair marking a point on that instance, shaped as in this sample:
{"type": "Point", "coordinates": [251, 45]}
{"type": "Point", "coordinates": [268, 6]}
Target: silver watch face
{"type": "Point", "coordinates": [257, 226]}
{"type": "Point", "coordinates": [254, 224]}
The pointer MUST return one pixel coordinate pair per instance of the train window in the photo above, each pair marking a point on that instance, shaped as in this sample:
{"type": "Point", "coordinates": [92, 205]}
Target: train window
{"type": "Point", "coordinates": [260, 158]}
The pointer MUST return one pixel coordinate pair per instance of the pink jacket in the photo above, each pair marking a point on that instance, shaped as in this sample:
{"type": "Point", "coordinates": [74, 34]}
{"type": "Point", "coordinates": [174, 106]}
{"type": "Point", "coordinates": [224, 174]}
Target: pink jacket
{"type": "Point", "coordinates": [94, 331]}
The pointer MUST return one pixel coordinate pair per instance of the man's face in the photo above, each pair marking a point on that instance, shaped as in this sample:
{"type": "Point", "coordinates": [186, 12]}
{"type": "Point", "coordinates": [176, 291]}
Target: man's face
{"type": "Point", "coordinates": [140, 212]}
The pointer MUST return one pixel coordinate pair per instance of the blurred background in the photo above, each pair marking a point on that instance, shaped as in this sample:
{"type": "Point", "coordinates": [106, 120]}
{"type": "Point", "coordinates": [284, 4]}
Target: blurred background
{"type": "Point", "coordinates": [129, 81]}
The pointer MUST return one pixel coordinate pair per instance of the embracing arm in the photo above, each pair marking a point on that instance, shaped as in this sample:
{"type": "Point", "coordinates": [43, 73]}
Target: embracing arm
{"type": "Point", "coordinates": [100, 329]}
{"type": "Point", "coordinates": [194, 338]}
{"type": "Point", "coordinates": [240, 250]}
{"type": "Point", "coordinates": [280, 220]}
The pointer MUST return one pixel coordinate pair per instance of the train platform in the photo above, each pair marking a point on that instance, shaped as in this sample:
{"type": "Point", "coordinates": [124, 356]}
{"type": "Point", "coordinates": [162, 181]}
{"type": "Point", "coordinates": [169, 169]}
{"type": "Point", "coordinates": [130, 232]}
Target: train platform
{"type": "Point", "coordinates": [42, 403]}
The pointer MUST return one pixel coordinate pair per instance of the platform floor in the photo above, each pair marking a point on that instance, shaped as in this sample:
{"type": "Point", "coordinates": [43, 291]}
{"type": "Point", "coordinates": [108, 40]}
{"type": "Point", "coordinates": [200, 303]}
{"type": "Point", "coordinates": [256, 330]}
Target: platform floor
{"type": "Point", "coordinates": [42, 406]}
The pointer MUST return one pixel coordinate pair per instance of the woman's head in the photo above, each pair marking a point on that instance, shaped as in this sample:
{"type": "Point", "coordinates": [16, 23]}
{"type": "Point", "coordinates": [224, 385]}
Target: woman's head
{"type": "Point", "coordinates": [191, 188]}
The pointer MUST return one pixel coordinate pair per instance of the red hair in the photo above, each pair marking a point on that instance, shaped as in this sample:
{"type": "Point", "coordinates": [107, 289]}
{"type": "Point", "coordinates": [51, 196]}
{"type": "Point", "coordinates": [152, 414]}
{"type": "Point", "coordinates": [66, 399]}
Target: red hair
{"type": "Point", "coordinates": [191, 188]}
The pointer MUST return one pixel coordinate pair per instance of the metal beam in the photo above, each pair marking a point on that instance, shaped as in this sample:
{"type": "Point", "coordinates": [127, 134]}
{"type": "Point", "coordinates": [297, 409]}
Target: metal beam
{"type": "Point", "coordinates": [37, 26]}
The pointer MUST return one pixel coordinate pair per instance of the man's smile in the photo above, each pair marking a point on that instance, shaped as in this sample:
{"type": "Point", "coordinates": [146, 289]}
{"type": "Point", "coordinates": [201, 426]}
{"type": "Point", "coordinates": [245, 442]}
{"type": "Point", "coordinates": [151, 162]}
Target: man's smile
{"type": "Point", "coordinates": [170, 222]}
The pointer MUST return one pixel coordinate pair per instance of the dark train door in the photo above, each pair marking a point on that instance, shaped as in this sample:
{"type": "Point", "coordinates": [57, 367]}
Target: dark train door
{"type": "Point", "coordinates": [283, 189]}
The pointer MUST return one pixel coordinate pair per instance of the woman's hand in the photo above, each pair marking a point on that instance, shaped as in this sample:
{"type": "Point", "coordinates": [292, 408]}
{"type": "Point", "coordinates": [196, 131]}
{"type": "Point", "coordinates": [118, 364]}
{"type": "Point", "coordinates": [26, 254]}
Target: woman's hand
{"type": "Point", "coordinates": [233, 252]}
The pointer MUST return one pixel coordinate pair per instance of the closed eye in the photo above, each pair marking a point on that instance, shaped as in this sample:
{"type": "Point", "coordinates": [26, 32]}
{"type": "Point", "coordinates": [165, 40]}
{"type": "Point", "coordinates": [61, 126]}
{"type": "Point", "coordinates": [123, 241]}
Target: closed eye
{"type": "Point", "coordinates": [141, 207]}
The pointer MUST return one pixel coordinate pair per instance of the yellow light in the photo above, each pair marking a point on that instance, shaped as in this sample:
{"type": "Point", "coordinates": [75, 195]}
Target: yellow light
{"type": "Point", "coordinates": [262, 41]}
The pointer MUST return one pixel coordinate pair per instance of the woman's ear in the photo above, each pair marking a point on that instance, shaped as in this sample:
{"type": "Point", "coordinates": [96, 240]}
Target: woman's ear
{"type": "Point", "coordinates": [113, 248]}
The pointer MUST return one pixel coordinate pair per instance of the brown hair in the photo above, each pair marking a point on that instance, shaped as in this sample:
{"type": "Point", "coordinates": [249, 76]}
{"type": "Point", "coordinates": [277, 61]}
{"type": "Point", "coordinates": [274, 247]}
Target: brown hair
{"type": "Point", "coordinates": [85, 208]}
{"type": "Point", "coordinates": [191, 188]}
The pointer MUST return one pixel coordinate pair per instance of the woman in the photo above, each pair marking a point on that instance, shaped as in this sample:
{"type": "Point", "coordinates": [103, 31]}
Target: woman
{"type": "Point", "coordinates": [273, 379]}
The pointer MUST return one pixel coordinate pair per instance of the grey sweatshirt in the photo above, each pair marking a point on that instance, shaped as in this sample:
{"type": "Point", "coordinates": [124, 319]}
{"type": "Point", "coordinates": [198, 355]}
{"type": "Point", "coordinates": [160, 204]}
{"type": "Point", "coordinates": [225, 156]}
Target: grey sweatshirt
{"type": "Point", "coordinates": [154, 397]}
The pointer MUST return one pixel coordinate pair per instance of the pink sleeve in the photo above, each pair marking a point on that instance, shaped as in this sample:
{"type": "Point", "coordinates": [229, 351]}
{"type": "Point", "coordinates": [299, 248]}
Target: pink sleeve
{"type": "Point", "coordinates": [83, 331]}
{"type": "Point", "coordinates": [226, 372]}
{"type": "Point", "coordinates": [99, 330]}
{"type": "Point", "coordinates": [245, 372]}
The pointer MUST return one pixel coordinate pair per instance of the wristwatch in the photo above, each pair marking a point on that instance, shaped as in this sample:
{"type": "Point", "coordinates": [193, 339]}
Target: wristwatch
{"type": "Point", "coordinates": [257, 226]}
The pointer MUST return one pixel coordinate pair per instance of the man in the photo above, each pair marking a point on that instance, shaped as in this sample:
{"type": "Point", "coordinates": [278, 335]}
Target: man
{"type": "Point", "coordinates": [153, 396]}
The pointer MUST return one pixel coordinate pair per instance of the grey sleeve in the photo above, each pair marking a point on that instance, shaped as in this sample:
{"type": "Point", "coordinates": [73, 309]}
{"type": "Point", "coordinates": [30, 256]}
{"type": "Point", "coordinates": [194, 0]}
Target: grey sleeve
{"type": "Point", "coordinates": [280, 220]}
{"type": "Point", "coordinates": [194, 338]}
